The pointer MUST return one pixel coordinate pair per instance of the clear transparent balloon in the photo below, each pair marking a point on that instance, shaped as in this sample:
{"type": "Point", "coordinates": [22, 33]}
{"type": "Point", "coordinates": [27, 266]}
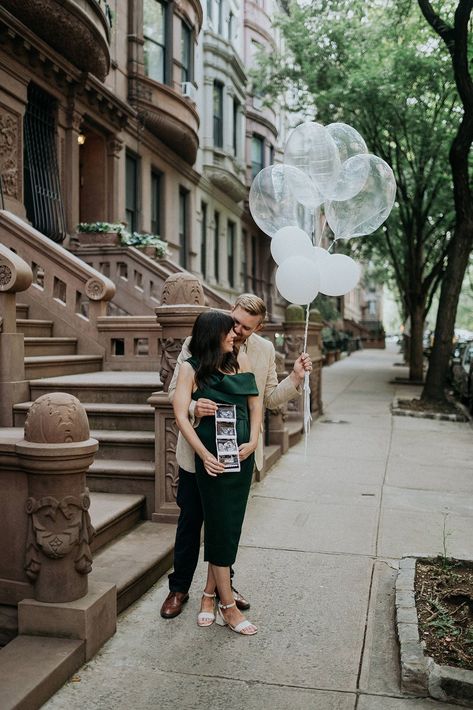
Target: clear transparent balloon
{"type": "Point", "coordinates": [367, 210]}
{"type": "Point", "coordinates": [273, 202]}
{"type": "Point", "coordinates": [311, 148]}
{"type": "Point", "coordinates": [347, 139]}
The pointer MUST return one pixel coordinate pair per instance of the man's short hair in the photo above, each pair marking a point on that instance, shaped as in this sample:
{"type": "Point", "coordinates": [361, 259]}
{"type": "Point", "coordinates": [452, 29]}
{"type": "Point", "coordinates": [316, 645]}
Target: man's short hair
{"type": "Point", "coordinates": [251, 304]}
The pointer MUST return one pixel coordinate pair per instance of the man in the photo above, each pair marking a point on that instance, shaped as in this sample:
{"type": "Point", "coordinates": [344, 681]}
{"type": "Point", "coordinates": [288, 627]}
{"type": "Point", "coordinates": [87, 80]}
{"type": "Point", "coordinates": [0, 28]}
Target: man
{"type": "Point", "coordinates": [248, 314]}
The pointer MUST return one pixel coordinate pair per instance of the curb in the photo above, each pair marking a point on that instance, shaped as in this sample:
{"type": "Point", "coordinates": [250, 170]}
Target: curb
{"type": "Point", "coordinates": [398, 411]}
{"type": "Point", "coordinates": [420, 674]}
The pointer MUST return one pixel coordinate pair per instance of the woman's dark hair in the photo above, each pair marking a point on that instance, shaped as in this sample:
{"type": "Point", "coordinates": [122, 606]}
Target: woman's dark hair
{"type": "Point", "coordinates": [206, 345]}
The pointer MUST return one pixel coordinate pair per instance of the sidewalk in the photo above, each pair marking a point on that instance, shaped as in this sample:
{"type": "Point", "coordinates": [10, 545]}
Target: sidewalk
{"type": "Point", "coordinates": [318, 559]}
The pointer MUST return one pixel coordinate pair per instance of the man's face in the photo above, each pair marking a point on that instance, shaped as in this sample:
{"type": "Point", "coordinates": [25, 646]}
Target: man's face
{"type": "Point", "coordinates": [245, 324]}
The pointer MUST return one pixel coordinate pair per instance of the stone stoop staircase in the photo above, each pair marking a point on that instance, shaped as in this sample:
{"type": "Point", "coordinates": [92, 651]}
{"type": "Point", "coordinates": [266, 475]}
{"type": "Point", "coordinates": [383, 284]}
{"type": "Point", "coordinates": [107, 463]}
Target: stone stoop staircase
{"type": "Point", "coordinates": [129, 550]}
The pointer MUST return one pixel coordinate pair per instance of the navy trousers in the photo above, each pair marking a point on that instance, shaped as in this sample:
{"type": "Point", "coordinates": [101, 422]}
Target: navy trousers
{"type": "Point", "coordinates": [189, 526]}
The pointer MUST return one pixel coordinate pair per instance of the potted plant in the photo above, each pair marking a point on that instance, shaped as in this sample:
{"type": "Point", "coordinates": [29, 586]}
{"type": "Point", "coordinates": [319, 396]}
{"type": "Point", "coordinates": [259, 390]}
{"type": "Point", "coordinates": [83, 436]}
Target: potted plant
{"type": "Point", "coordinates": [99, 233]}
{"type": "Point", "coordinates": [151, 244]}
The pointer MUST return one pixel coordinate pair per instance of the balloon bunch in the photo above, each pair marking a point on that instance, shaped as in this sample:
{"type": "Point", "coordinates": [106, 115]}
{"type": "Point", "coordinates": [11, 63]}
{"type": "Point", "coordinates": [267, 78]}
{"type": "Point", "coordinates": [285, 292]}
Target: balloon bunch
{"type": "Point", "coordinates": [325, 168]}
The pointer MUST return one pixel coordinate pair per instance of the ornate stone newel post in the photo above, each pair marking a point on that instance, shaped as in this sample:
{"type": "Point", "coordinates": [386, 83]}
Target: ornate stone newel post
{"type": "Point", "coordinates": [182, 301]}
{"type": "Point", "coordinates": [56, 453]}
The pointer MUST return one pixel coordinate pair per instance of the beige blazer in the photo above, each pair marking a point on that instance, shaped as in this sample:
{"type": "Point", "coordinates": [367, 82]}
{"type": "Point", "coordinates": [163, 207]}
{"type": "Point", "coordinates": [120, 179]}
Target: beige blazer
{"type": "Point", "coordinates": [262, 359]}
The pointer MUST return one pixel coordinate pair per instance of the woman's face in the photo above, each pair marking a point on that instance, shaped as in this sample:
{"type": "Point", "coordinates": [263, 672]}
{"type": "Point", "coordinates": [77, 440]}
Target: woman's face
{"type": "Point", "coordinates": [227, 341]}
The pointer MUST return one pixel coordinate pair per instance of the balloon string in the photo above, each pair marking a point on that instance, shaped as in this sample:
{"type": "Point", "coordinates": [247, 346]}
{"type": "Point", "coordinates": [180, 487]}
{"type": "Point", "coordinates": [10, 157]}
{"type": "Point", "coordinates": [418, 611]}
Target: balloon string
{"type": "Point", "coordinates": [322, 230]}
{"type": "Point", "coordinates": [306, 388]}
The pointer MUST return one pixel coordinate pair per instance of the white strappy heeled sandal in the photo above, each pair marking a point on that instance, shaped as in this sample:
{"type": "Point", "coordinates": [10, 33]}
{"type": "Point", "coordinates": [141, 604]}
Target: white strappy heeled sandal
{"type": "Point", "coordinates": [206, 618]}
{"type": "Point", "coordinates": [239, 628]}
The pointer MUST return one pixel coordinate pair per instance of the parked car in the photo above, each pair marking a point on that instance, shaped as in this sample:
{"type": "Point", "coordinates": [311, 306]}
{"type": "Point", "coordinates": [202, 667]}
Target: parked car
{"type": "Point", "coordinates": [462, 371]}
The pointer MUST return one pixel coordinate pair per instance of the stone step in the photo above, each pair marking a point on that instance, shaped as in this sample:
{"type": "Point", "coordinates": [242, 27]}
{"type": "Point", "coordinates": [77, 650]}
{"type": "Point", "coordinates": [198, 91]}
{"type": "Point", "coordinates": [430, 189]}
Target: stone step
{"type": "Point", "coordinates": [112, 515]}
{"type": "Point", "coordinates": [102, 386]}
{"type": "Point", "coordinates": [35, 328]}
{"type": "Point", "coordinates": [35, 346]}
{"type": "Point", "coordinates": [135, 561]}
{"type": "Point", "coordinates": [131, 445]}
{"type": "Point", "coordinates": [124, 476]}
{"type": "Point", "coordinates": [117, 417]}
{"type": "Point", "coordinates": [47, 366]}
{"type": "Point", "coordinates": [22, 310]}
{"type": "Point", "coordinates": [33, 668]}
{"type": "Point", "coordinates": [296, 429]}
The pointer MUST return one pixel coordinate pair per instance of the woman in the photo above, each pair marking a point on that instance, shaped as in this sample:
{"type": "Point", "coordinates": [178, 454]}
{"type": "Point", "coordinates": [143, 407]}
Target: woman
{"type": "Point", "coordinates": [215, 372]}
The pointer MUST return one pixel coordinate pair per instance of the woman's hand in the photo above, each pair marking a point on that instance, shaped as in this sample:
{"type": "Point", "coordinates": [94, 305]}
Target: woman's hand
{"type": "Point", "coordinates": [245, 450]}
{"type": "Point", "coordinates": [212, 465]}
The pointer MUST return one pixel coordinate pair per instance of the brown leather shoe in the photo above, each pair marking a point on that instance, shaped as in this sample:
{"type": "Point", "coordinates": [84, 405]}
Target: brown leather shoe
{"type": "Point", "coordinates": [240, 601]}
{"type": "Point", "coordinates": [172, 605]}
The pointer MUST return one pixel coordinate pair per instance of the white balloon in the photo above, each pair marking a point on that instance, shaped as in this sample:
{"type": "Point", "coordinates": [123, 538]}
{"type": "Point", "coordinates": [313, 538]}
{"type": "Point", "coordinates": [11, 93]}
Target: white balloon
{"type": "Point", "coordinates": [319, 255]}
{"type": "Point", "coordinates": [272, 201]}
{"type": "Point", "coordinates": [367, 210]}
{"type": "Point", "coordinates": [290, 241]}
{"type": "Point", "coordinates": [348, 141]}
{"type": "Point", "coordinates": [297, 280]}
{"type": "Point", "coordinates": [312, 149]}
{"type": "Point", "coordinates": [338, 275]}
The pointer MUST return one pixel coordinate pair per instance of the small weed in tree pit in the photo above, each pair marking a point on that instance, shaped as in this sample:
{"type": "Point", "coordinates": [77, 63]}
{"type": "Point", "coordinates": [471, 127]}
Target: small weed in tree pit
{"type": "Point", "coordinates": [444, 601]}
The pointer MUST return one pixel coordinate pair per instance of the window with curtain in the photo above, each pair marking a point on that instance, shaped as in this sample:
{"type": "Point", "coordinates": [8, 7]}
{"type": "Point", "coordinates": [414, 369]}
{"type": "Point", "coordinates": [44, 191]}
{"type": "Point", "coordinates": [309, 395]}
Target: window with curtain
{"type": "Point", "coordinates": [231, 231]}
{"type": "Point", "coordinates": [131, 192]}
{"type": "Point", "coordinates": [155, 35]}
{"type": "Point", "coordinates": [236, 126]}
{"type": "Point", "coordinates": [218, 113]}
{"type": "Point", "coordinates": [156, 202]}
{"type": "Point", "coordinates": [186, 52]}
{"type": "Point", "coordinates": [217, 247]}
{"type": "Point", "coordinates": [203, 240]}
{"type": "Point", "coordinates": [183, 227]}
{"type": "Point", "coordinates": [257, 154]}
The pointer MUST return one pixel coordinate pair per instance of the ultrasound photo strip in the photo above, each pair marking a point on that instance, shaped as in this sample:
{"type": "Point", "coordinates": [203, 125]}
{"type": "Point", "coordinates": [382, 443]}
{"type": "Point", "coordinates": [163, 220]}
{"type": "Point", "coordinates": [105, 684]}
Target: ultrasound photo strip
{"type": "Point", "coordinates": [226, 437]}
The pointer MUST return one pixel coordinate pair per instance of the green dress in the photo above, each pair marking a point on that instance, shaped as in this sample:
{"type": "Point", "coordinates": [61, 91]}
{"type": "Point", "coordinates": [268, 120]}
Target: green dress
{"type": "Point", "coordinates": [224, 497]}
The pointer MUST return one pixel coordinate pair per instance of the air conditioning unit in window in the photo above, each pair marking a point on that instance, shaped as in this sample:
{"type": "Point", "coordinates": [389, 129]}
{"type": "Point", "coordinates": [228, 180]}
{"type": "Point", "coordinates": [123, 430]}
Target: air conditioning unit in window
{"type": "Point", "coordinates": [188, 90]}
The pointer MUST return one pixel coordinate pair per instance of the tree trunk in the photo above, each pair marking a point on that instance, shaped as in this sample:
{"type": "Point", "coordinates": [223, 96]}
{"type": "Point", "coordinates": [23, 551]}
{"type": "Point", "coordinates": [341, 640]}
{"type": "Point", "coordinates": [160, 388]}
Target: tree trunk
{"type": "Point", "coordinates": [416, 350]}
{"type": "Point", "coordinates": [436, 380]}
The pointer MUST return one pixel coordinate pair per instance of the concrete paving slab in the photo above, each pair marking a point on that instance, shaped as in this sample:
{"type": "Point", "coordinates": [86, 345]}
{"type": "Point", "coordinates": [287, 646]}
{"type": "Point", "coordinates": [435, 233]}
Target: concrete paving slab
{"type": "Point", "coordinates": [403, 532]}
{"type": "Point", "coordinates": [451, 503]}
{"type": "Point", "coordinates": [326, 470]}
{"type": "Point", "coordinates": [428, 477]}
{"type": "Point", "coordinates": [152, 689]}
{"type": "Point", "coordinates": [300, 625]}
{"type": "Point", "coordinates": [380, 672]}
{"type": "Point", "coordinates": [433, 447]}
{"type": "Point", "coordinates": [310, 527]}
{"type": "Point", "coordinates": [373, 702]}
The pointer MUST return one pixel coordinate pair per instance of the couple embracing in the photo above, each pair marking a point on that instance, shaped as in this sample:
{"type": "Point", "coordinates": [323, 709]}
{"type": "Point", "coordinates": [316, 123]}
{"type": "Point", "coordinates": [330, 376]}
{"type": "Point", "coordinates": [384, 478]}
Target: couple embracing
{"type": "Point", "coordinates": [226, 363]}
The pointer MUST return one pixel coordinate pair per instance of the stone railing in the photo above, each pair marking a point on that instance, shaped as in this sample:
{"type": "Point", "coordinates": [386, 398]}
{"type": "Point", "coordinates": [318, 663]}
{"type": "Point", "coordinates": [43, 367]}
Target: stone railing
{"type": "Point", "coordinates": [130, 342]}
{"type": "Point", "coordinates": [63, 287]}
{"type": "Point", "coordinates": [139, 278]}
{"type": "Point", "coordinates": [15, 277]}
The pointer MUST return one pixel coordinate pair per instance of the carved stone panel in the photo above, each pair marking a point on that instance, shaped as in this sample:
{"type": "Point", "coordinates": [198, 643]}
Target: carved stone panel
{"type": "Point", "coordinates": [11, 153]}
{"type": "Point", "coordinates": [170, 349]}
{"type": "Point", "coordinates": [172, 469]}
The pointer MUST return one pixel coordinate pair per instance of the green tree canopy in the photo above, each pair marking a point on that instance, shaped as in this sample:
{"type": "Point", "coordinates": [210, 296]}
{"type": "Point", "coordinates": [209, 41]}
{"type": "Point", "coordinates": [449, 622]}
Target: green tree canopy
{"type": "Point", "coordinates": [379, 69]}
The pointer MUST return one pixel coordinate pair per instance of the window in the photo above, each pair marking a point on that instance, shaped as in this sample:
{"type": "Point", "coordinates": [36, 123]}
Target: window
{"type": "Point", "coordinates": [231, 19]}
{"type": "Point", "coordinates": [254, 263]}
{"type": "Point", "coordinates": [271, 154]}
{"type": "Point", "coordinates": [203, 241]}
{"type": "Point", "coordinates": [244, 261]}
{"type": "Point", "coordinates": [217, 247]}
{"type": "Point", "coordinates": [220, 16]}
{"type": "Point", "coordinates": [236, 125]}
{"type": "Point", "coordinates": [183, 227]}
{"type": "Point", "coordinates": [209, 10]}
{"type": "Point", "coordinates": [156, 188]}
{"type": "Point", "coordinates": [131, 192]}
{"type": "Point", "coordinates": [231, 229]}
{"type": "Point", "coordinates": [43, 198]}
{"type": "Point", "coordinates": [257, 154]}
{"type": "Point", "coordinates": [186, 53]}
{"type": "Point", "coordinates": [155, 20]}
{"type": "Point", "coordinates": [218, 114]}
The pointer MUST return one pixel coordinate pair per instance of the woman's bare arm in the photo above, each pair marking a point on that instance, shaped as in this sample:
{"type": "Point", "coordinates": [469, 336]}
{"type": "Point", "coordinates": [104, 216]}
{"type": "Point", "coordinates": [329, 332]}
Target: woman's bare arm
{"type": "Point", "coordinates": [181, 400]}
